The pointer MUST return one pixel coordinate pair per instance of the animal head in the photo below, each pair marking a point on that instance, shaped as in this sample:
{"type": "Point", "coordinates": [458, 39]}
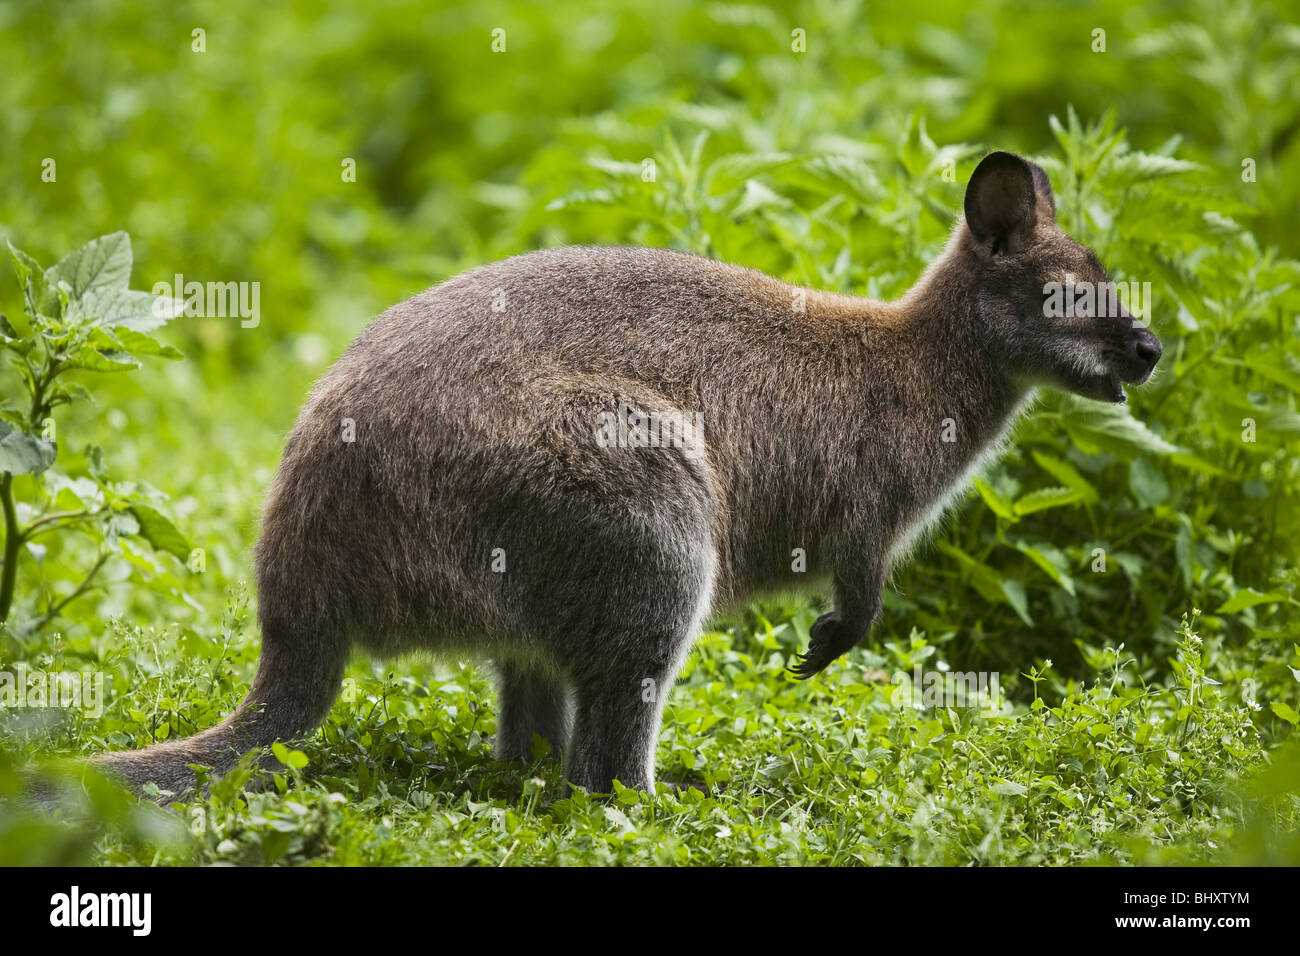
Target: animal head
{"type": "Point", "coordinates": [1043, 300]}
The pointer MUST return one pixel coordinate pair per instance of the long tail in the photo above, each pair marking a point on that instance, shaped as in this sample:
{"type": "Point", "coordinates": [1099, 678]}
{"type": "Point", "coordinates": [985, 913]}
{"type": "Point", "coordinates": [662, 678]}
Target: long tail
{"type": "Point", "coordinates": [296, 684]}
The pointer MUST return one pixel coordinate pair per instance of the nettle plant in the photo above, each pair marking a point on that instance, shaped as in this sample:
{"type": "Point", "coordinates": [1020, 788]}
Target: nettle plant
{"type": "Point", "coordinates": [80, 316]}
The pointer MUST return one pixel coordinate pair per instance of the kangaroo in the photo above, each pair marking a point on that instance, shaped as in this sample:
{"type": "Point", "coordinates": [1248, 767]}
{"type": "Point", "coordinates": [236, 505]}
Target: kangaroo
{"type": "Point", "coordinates": [485, 470]}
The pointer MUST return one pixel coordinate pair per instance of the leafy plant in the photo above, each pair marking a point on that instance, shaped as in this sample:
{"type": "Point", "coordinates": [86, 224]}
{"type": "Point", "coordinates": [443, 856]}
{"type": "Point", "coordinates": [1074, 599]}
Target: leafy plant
{"type": "Point", "coordinates": [80, 316]}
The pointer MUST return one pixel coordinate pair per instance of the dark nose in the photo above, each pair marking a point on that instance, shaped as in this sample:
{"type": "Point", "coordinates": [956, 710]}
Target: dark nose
{"type": "Point", "coordinates": [1149, 349]}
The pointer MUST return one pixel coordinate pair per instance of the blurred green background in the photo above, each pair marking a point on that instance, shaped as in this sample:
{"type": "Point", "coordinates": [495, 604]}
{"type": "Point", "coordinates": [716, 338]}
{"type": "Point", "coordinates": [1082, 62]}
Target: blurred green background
{"type": "Point", "coordinates": [841, 165]}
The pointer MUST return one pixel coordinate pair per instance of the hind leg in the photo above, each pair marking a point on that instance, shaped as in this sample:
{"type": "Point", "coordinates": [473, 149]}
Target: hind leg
{"type": "Point", "coordinates": [612, 571]}
{"type": "Point", "coordinates": [619, 714]}
{"type": "Point", "coordinates": [622, 682]}
{"type": "Point", "coordinates": [619, 625]}
{"type": "Point", "coordinates": [533, 700]}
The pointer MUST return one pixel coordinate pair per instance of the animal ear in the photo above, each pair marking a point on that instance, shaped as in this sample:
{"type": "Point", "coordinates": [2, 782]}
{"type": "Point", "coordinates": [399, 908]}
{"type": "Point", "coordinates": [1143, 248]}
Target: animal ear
{"type": "Point", "coordinates": [1043, 185]}
{"type": "Point", "coordinates": [1000, 201]}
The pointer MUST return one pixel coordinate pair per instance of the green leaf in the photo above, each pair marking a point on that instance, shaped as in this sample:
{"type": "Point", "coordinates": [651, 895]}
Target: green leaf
{"type": "Point", "coordinates": [95, 463]}
{"type": "Point", "coordinates": [1285, 712]}
{"type": "Point", "coordinates": [294, 759]}
{"type": "Point", "coordinates": [1266, 366]}
{"type": "Point", "coordinates": [1066, 474]}
{"type": "Point", "coordinates": [7, 332]}
{"type": "Point", "coordinates": [731, 171]}
{"type": "Point", "coordinates": [757, 196]}
{"type": "Point", "coordinates": [120, 524]}
{"type": "Point", "coordinates": [982, 578]}
{"type": "Point", "coordinates": [137, 343]}
{"type": "Point", "coordinates": [1147, 483]}
{"type": "Point", "coordinates": [22, 454]}
{"type": "Point", "coordinates": [160, 532]}
{"type": "Point", "coordinates": [1137, 167]}
{"type": "Point", "coordinates": [103, 339]}
{"type": "Point", "coordinates": [1045, 498]}
{"type": "Point", "coordinates": [837, 175]}
{"type": "Point", "coordinates": [102, 360]}
{"type": "Point", "coordinates": [1015, 595]}
{"type": "Point", "coordinates": [615, 168]}
{"type": "Point", "coordinates": [917, 148]}
{"type": "Point", "coordinates": [1051, 560]}
{"type": "Point", "coordinates": [130, 308]}
{"type": "Point", "coordinates": [1000, 506]}
{"type": "Point", "coordinates": [1096, 427]}
{"type": "Point", "coordinates": [586, 198]}
{"type": "Point", "coordinates": [38, 292]}
{"type": "Point", "coordinates": [102, 262]}
{"type": "Point", "coordinates": [1249, 597]}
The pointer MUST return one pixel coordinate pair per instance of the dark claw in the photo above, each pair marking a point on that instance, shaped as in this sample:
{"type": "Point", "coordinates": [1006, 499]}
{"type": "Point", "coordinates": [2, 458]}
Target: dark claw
{"type": "Point", "coordinates": [827, 640]}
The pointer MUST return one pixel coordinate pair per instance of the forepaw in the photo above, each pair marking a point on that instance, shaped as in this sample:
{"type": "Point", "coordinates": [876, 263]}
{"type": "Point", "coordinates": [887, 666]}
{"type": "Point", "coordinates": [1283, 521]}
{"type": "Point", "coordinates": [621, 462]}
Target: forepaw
{"type": "Point", "coordinates": [828, 639]}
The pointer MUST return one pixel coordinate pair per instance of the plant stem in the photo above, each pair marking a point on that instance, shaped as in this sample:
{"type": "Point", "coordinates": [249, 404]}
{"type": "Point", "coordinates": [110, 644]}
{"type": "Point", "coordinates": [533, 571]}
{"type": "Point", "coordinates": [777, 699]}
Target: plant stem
{"type": "Point", "coordinates": [54, 516]}
{"type": "Point", "coordinates": [81, 588]}
{"type": "Point", "coordinates": [13, 538]}
{"type": "Point", "coordinates": [14, 535]}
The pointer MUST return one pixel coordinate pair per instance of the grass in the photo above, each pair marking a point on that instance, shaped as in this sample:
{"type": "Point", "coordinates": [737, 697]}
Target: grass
{"type": "Point", "coordinates": [850, 770]}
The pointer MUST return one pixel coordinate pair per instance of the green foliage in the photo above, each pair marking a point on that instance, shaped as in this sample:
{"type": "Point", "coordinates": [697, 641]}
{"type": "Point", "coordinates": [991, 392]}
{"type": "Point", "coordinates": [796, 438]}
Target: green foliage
{"type": "Point", "coordinates": [1117, 770]}
{"type": "Point", "coordinates": [89, 814]}
{"type": "Point", "coordinates": [1154, 735]}
{"type": "Point", "coordinates": [79, 315]}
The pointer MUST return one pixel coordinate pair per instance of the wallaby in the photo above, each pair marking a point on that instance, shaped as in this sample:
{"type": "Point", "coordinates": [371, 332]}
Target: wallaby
{"type": "Point", "coordinates": [484, 472]}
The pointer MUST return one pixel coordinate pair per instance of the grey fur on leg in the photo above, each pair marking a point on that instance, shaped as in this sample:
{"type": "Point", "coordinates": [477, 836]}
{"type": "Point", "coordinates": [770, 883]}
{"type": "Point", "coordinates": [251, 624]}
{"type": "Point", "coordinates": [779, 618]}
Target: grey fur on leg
{"type": "Point", "coordinates": [618, 718]}
{"type": "Point", "coordinates": [533, 700]}
{"type": "Point", "coordinates": [615, 733]}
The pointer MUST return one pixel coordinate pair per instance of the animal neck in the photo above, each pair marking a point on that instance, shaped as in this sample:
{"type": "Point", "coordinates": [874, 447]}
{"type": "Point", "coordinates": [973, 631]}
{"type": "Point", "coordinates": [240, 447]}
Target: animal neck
{"type": "Point", "coordinates": [955, 397]}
